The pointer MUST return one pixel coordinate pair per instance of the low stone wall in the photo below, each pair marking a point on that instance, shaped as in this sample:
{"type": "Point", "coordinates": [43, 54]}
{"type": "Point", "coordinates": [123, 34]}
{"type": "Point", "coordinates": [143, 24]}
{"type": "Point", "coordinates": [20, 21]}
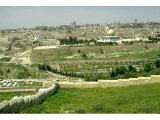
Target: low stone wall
{"type": "Point", "coordinates": [78, 85]}
{"type": "Point", "coordinates": [18, 90]}
{"type": "Point", "coordinates": [112, 83]}
{"type": "Point", "coordinates": [16, 104]}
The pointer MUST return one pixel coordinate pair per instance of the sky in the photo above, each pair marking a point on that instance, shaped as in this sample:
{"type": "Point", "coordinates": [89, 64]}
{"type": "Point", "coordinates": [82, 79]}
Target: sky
{"type": "Point", "coordinates": [19, 16]}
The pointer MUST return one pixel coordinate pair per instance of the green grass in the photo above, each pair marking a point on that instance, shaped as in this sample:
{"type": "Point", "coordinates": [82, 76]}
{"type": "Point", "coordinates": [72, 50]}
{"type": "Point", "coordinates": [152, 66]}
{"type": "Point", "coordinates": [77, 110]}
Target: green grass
{"type": "Point", "coordinates": [133, 99]}
{"type": "Point", "coordinates": [12, 71]}
{"type": "Point", "coordinates": [10, 95]}
{"type": "Point", "coordinates": [5, 59]}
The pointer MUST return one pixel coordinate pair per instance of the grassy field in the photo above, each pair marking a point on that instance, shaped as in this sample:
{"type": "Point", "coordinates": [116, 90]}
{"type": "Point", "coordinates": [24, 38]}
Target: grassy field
{"type": "Point", "coordinates": [133, 99]}
{"type": "Point", "coordinates": [10, 95]}
{"type": "Point", "coordinates": [129, 52]}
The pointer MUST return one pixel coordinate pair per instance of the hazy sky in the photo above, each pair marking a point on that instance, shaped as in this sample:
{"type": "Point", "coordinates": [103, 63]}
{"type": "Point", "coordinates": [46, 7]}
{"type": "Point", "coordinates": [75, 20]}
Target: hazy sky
{"type": "Point", "coordinates": [14, 17]}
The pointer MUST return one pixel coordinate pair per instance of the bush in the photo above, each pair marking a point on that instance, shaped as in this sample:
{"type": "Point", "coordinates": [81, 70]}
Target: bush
{"type": "Point", "coordinates": [41, 67]}
{"type": "Point", "coordinates": [80, 110]}
{"type": "Point", "coordinates": [121, 70]}
{"type": "Point", "coordinates": [1, 72]}
{"type": "Point", "coordinates": [5, 59]}
{"type": "Point", "coordinates": [155, 71]}
{"type": "Point", "coordinates": [98, 107]}
{"type": "Point", "coordinates": [84, 56]}
{"type": "Point", "coordinates": [131, 68]}
{"type": "Point", "coordinates": [44, 67]}
{"type": "Point", "coordinates": [146, 47]}
{"type": "Point", "coordinates": [146, 109]}
{"type": "Point", "coordinates": [101, 51]}
{"type": "Point", "coordinates": [23, 75]}
{"type": "Point", "coordinates": [79, 51]}
{"type": "Point", "coordinates": [91, 77]}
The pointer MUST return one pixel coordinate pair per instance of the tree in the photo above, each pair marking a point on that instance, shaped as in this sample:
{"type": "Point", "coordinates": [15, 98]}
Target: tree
{"type": "Point", "coordinates": [113, 73]}
{"type": "Point", "coordinates": [121, 70]}
{"type": "Point", "coordinates": [131, 68]}
{"type": "Point", "coordinates": [157, 63]}
{"type": "Point", "coordinates": [41, 67]}
{"type": "Point", "coordinates": [1, 72]}
{"type": "Point", "coordinates": [79, 51]}
{"type": "Point", "coordinates": [8, 71]}
{"type": "Point", "coordinates": [147, 67]}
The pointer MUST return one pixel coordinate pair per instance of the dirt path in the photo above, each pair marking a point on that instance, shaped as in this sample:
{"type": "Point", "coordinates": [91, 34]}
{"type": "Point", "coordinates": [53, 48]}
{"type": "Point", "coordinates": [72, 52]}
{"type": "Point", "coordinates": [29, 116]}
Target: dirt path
{"type": "Point", "coordinates": [23, 58]}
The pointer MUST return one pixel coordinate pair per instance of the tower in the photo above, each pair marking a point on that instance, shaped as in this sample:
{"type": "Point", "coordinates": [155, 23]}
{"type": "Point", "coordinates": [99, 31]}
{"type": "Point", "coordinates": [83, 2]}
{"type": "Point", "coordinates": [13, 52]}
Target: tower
{"type": "Point", "coordinates": [74, 24]}
{"type": "Point", "coordinates": [135, 21]}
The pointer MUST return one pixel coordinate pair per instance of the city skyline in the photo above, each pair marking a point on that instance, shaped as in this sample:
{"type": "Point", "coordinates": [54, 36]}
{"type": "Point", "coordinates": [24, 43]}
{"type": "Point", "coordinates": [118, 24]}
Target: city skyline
{"type": "Point", "coordinates": [16, 17]}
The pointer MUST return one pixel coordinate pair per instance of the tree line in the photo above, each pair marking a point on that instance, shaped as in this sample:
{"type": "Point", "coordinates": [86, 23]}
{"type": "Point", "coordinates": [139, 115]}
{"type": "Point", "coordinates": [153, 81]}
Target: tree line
{"type": "Point", "coordinates": [119, 72]}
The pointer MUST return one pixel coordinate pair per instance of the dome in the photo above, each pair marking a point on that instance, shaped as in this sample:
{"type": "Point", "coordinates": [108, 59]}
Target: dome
{"type": "Point", "coordinates": [110, 32]}
{"type": "Point", "coordinates": [107, 28]}
{"type": "Point", "coordinates": [36, 38]}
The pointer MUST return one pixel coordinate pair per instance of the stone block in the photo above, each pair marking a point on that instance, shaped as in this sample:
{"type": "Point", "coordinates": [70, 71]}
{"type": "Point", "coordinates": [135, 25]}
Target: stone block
{"type": "Point", "coordinates": [155, 79]}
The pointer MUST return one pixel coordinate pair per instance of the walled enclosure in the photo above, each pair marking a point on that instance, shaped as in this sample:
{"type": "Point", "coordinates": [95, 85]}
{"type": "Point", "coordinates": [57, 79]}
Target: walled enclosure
{"type": "Point", "coordinates": [16, 104]}
{"type": "Point", "coordinates": [112, 83]}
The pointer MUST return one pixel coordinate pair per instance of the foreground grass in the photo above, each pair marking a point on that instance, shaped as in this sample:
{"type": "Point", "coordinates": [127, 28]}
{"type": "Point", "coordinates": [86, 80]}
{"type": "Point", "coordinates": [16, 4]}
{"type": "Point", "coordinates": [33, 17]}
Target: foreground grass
{"type": "Point", "coordinates": [133, 99]}
{"type": "Point", "coordinates": [10, 95]}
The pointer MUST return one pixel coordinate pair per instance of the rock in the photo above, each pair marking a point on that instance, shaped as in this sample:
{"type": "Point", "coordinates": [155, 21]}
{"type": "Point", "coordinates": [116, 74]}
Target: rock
{"type": "Point", "coordinates": [9, 85]}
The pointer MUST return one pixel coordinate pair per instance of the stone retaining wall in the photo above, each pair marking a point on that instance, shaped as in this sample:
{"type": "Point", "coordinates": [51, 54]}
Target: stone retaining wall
{"type": "Point", "coordinates": [16, 104]}
{"type": "Point", "coordinates": [112, 83]}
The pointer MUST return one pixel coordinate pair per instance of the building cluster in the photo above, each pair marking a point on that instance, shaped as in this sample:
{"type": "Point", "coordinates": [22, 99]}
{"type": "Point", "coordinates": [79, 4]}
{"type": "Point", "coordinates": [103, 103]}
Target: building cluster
{"type": "Point", "coordinates": [21, 36]}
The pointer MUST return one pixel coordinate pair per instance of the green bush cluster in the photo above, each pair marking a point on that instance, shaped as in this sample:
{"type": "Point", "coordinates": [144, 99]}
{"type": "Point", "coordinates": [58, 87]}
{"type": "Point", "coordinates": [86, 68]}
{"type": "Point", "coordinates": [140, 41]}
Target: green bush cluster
{"type": "Point", "coordinates": [24, 74]}
{"type": "Point", "coordinates": [117, 71]}
{"type": "Point", "coordinates": [130, 71]}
